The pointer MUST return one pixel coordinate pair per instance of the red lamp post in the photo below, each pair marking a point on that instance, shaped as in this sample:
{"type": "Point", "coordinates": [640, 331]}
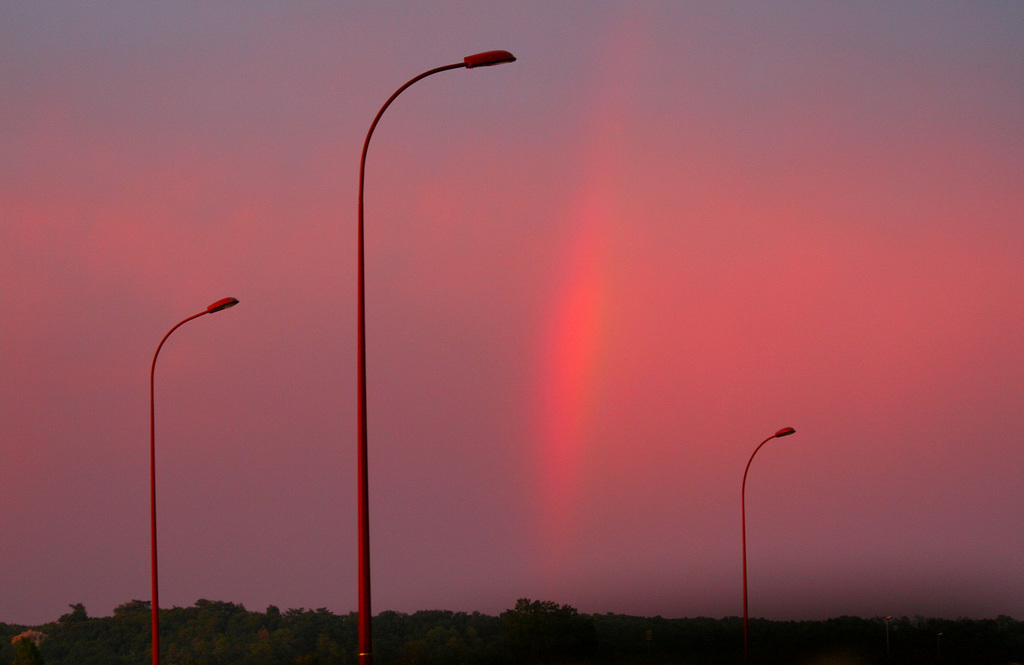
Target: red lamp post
{"type": "Point", "coordinates": [785, 431]}
{"type": "Point", "coordinates": [365, 641]}
{"type": "Point", "coordinates": [223, 303]}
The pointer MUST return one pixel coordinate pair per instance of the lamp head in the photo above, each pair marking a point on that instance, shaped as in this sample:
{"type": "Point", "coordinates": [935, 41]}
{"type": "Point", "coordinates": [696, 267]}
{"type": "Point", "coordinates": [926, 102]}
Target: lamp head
{"type": "Point", "coordinates": [223, 303]}
{"type": "Point", "coordinates": [785, 431]}
{"type": "Point", "coordinates": [488, 58]}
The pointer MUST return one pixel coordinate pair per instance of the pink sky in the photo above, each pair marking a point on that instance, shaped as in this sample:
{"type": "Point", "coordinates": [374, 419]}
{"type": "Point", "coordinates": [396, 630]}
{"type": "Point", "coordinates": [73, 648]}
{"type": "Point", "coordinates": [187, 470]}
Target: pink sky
{"type": "Point", "coordinates": [597, 279]}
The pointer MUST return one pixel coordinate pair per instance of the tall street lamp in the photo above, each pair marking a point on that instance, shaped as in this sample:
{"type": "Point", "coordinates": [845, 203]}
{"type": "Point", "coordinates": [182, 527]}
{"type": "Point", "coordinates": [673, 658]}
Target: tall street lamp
{"type": "Point", "coordinates": [785, 431]}
{"type": "Point", "coordinates": [365, 641]}
{"type": "Point", "coordinates": [223, 303]}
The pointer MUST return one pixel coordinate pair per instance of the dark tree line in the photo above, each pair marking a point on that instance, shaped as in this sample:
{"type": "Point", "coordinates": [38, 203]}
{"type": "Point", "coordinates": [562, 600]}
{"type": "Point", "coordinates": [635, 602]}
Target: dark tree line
{"type": "Point", "coordinates": [532, 632]}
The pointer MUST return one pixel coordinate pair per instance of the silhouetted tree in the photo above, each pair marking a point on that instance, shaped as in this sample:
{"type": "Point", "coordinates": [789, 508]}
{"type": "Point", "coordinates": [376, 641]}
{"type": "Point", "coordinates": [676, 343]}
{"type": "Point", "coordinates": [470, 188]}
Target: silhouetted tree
{"type": "Point", "coordinates": [219, 633]}
{"type": "Point", "coordinates": [77, 613]}
{"type": "Point", "coordinates": [26, 653]}
{"type": "Point", "coordinates": [543, 631]}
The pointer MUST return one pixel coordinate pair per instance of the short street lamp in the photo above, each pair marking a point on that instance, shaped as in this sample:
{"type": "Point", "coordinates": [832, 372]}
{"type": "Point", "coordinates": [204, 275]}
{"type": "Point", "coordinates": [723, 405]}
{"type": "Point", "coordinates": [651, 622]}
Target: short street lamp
{"type": "Point", "coordinates": [785, 431]}
{"type": "Point", "coordinates": [223, 303]}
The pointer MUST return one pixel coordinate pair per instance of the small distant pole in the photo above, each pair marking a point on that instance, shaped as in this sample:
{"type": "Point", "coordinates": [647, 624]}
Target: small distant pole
{"type": "Point", "coordinates": [785, 431]}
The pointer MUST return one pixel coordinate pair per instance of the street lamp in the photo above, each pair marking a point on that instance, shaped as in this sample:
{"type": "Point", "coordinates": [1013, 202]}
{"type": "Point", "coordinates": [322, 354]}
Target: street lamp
{"type": "Point", "coordinates": [888, 618]}
{"type": "Point", "coordinates": [365, 641]}
{"type": "Point", "coordinates": [785, 431]}
{"type": "Point", "coordinates": [223, 303]}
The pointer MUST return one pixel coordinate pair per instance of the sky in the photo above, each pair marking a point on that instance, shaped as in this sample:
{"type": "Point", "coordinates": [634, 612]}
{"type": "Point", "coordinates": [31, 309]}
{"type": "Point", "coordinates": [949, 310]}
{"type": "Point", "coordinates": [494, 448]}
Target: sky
{"type": "Point", "coordinates": [597, 279]}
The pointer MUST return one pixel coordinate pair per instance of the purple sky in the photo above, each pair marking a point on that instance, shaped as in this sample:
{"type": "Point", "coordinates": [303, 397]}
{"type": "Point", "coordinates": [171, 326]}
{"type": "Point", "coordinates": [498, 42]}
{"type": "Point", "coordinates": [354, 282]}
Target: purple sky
{"type": "Point", "coordinates": [597, 279]}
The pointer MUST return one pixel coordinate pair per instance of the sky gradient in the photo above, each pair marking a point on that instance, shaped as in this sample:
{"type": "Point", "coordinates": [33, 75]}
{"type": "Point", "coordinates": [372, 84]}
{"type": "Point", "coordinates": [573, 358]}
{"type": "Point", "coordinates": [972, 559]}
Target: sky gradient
{"type": "Point", "coordinates": [597, 278]}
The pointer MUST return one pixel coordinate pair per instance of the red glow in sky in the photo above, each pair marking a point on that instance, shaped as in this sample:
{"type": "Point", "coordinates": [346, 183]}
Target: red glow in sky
{"type": "Point", "coordinates": [597, 278]}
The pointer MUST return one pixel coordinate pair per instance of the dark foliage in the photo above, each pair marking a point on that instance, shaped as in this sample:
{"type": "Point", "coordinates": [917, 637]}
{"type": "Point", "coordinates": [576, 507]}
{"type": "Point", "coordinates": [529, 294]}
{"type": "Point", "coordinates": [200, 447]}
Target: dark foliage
{"type": "Point", "coordinates": [26, 653]}
{"type": "Point", "coordinates": [541, 631]}
{"type": "Point", "coordinates": [220, 633]}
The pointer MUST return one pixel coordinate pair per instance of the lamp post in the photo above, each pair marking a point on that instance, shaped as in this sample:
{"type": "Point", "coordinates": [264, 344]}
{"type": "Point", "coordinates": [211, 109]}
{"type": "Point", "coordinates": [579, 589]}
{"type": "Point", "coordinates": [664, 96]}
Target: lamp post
{"type": "Point", "coordinates": [785, 431]}
{"type": "Point", "coordinates": [223, 303]}
{"type": "Point", "coordinates": [888, 618]}
{"type": "Point", "coordinates": [365, 641]}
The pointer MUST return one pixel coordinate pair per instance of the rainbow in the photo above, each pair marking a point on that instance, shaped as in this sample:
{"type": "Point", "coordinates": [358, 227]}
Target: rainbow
{"type": "Point", "coordinates": [576, 343]}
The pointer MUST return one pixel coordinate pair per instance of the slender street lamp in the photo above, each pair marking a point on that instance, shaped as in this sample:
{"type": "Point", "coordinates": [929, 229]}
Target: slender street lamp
{"type": "Point", "coordinates": [223, 303]}
{"type": "Point", "coordinates": [888, 618]}
{"type": "Point", "coordinates": [785, 431]}
{"type": "Point", "coordinates": [365, 641]}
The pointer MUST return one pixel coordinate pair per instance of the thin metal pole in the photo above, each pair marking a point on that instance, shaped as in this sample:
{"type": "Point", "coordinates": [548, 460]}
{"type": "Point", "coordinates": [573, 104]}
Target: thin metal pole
{"type": "Point", "coordinates": [154, 605]}
{"type": "Point", "coordinates": [365, 638]}
{"type": "Point", "coordinates": [155, 602]}
{"type": "Point", "coordinates": [786, 431]}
